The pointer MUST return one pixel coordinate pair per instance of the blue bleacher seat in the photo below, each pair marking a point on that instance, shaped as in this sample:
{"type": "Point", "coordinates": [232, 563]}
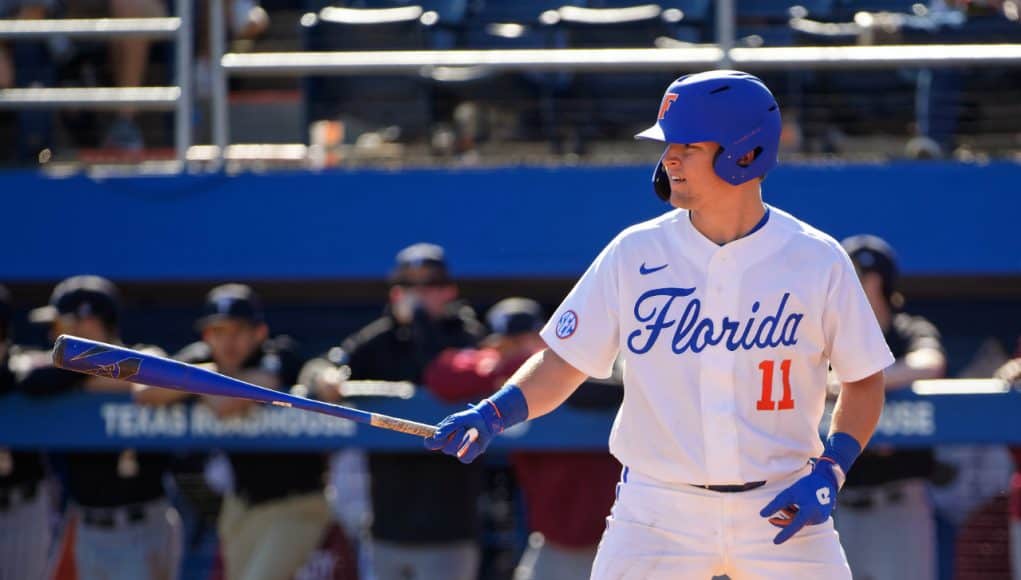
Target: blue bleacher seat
{"type": "Point", "coordinates": [780, 10]}
{"type": "Point", "coordinates": [615, 104]}
{"type": "Point", "coordinates": [768, 35]}
{"type": "Point", "coordinates": [521, 11]}
{"type": "Point", "coordinates": [848, 8]}
{"type": "Point", "coordinates": [375, 101]}
{"type": "Point", "coordinates": [695, 11]}
{"type": "Point", "coordinates": [449, 11]}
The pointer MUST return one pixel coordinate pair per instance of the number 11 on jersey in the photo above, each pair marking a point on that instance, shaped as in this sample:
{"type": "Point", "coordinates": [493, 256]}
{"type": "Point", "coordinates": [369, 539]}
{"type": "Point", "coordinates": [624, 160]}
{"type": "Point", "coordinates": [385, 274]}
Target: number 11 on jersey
{"type": "Point", "coordinates": [766, 402]}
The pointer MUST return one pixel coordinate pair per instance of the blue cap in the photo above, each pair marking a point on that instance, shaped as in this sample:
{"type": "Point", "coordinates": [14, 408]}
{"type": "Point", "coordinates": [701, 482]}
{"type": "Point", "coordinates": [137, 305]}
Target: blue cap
{"type": "Point", "coordinates": [871, 253]}
{"type": "Point", "coordinates": [729, 107]}
{"type": "Point", "coordinates": [513, 316]}
{"type": "Point", "coordinates": [231, 302]}
{"type": "Point", "coordinates": [418, 256]}
{"type": "Point", "coordinates": [81, 296]}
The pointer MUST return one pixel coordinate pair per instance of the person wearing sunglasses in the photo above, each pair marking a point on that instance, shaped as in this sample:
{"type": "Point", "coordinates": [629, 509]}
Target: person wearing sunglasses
{"type": "Point", "coordinates": [430, 529]}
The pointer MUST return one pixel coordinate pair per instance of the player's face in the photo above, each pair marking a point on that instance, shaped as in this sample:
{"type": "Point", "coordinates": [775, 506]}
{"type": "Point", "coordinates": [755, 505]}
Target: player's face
{"type": "Point", "coordinates": [233, 341]}
{"type": "Point", "coordinates": [86, 327]}
{"type": "Point", "coordinates": [692, 178]}
{"type": "Point", "coordinates": [425, 286]}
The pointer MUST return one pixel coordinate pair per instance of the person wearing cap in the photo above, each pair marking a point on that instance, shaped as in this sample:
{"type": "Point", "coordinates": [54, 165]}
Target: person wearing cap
{"type": "Point", "coordinates": [126, 527]}
{"type": "Point", "coordinates": [567, 494]}
{"type": "Point", "coordinates": [276, 513]}
{"type": "Point", "coordinates": [25, 535]}
{"type": "Point", "coordinates": [727, 313]}
{"type": "Point", "coordinates": [886, 505]}
{"type": "Point", "coordinates": [430, 529]}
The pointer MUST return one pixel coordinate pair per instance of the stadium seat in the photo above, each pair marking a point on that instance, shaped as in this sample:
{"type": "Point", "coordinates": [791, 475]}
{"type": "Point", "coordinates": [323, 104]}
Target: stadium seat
{"type": "Point", "coordinates": [519, 11]}
{"type": "Point", "coordinates": [782, 10]}
{"type": "Point", "coordinates": [766, 22]}
{"type": "Point", "coordinates": [377, 101]}
{"type": "Point", "coordinates": [846, 9]}
{"type": "Point", "coordinates": [450, 12]}
{"type": "Point", "coordinates": [526, 96]}
{"type": "Point", "coordinates": [607, 105]}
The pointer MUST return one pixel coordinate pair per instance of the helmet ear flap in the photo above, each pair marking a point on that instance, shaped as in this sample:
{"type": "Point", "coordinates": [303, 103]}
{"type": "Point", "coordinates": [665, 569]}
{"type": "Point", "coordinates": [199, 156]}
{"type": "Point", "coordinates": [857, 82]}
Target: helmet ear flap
{"type": "Point", "coordinates": [661, 182]}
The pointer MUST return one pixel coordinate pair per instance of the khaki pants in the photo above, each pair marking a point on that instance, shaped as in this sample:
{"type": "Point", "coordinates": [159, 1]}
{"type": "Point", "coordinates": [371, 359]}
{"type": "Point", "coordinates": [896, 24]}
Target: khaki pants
{"type": "Point", "coordinates": [271, 540]}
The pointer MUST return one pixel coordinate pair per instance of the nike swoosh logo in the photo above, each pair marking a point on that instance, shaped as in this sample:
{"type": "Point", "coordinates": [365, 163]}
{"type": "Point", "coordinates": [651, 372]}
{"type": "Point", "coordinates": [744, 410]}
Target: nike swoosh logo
{"type": "Point", "coordinates": [643, 270]}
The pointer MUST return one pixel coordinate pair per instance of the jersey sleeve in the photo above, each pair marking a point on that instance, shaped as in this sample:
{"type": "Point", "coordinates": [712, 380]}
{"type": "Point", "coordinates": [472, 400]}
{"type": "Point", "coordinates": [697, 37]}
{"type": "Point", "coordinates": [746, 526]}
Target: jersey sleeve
{"type": "Point", "coordinates": [856, 345]}
{"type": "Point", "coordinates": [585, 328]}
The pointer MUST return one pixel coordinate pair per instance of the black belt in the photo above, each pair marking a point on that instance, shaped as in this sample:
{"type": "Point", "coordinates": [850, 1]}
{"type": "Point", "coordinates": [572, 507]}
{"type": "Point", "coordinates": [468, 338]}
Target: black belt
{"type": "Point", "coordinates": [18, 493]}
{"type": "Point", "coordinates": [732, 488]}
{"type": "Point", "coordinates": [107, 517]}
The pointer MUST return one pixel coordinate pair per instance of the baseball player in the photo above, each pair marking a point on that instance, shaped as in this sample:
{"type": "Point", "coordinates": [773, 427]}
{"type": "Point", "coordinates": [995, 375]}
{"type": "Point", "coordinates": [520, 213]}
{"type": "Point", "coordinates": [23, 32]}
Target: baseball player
{"type": "Point", "coordinates": [727, 313]}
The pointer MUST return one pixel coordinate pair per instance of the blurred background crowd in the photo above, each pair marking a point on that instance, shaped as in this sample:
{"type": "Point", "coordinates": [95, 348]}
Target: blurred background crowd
{"type": "Point", "coordinates": [930, 513]}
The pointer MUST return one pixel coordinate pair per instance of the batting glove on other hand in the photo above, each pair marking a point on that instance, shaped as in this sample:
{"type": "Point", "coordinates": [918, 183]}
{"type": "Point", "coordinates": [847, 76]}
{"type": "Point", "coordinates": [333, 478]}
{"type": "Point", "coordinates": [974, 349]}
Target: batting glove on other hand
{"type": "Point", "coordinates": [809, 501]}
{"type": "Point", "coordinates": [467, 434]}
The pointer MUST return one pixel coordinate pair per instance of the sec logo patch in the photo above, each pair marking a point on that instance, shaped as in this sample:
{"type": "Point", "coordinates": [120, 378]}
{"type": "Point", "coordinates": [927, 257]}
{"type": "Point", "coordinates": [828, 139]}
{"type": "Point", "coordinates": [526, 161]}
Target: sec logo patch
{"type": "Point", "coordinates": [567, 324]}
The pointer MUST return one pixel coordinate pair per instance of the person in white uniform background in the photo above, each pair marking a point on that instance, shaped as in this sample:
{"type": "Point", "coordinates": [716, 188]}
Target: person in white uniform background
{"type": "Point", "coordinates": [728, 314]}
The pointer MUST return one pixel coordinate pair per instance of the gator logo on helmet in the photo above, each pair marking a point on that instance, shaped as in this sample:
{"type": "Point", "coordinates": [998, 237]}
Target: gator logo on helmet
{"type": "Point", "coordinates": [668, 99]}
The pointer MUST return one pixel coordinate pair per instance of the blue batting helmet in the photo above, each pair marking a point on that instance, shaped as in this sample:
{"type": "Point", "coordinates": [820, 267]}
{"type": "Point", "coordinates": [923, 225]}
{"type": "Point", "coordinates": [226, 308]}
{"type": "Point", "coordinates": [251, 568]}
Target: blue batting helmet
{"type": "Point", "coordinates": [729, 107]}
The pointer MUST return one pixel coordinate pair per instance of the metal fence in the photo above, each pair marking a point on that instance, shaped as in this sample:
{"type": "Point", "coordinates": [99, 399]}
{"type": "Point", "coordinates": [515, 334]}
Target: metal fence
{"type": "Point", "coordinates": [723, 53]}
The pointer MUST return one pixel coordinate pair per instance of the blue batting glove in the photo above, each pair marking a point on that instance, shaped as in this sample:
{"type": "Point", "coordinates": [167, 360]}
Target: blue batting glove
{"type": "Point", "coordinates": [810, 501]}
{"type": "Point", "coordinates": [467, 434]}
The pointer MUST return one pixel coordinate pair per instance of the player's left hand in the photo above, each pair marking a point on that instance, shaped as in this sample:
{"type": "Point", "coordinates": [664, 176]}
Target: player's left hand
{"type": "Point", "coordinates": [809, 501]}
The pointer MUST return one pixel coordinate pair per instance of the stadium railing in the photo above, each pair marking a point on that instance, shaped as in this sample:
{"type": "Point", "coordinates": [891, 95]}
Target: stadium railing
{"type": "Point", "coordinates": [177, 98]}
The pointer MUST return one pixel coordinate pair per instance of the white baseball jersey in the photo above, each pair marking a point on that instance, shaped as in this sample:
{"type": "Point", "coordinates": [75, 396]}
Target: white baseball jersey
{"type": "Point", "coordinates": [725, 348]}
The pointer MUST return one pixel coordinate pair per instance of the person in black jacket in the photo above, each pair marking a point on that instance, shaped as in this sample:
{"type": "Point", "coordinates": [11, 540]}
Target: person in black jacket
{"type": "Point", "coordinates": [276, 514]}
{"type": "Point", "coordinates": [126, 526]}
{"type": "Point", "coordinates": [886, 505]}
{"type": "Point", "coordinates": [425, 522]}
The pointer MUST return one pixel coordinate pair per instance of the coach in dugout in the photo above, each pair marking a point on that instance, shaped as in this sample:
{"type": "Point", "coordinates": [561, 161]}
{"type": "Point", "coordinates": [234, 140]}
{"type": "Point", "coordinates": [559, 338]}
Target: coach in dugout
{"type": "Point", "coordinates": [886, 507]}
{"type": "Point", "coordinates": [126, 527]}
{"type": "Point", "coordinates": [276, 514]}
{"type": "Point", "coordinates": [425, 510]}
{"type": "Point", "coordinates": [567, 494]}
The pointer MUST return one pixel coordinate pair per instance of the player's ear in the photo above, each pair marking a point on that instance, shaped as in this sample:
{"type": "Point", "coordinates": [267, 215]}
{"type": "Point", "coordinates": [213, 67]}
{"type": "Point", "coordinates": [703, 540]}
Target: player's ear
{"type": "Point", "coordinates": [748, 157]}
{"type": "Point", "coordinates": [261, 332]}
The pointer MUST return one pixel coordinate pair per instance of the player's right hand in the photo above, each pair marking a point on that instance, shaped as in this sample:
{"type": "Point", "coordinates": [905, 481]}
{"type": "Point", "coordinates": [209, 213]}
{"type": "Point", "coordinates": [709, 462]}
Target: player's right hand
{"type": "Point", "coordinates": [809, 501]}
{"type": "Point", "coordinates": [464, 435]}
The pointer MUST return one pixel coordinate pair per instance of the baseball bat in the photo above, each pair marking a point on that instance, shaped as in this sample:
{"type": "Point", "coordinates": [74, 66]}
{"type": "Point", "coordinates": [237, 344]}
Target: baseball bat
{"type": "Point", "coordinates": [106, 360]}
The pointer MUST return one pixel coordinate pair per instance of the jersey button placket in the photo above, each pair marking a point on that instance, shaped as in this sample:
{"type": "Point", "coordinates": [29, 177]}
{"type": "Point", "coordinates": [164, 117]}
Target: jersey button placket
{"type": "Point", "coordinates": [717, 396]}
{"type": "Point", "coordinates": [716, 376]}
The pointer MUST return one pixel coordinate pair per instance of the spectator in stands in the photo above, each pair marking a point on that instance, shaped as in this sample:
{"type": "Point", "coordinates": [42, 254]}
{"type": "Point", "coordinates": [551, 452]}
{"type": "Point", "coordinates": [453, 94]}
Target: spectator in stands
{"type": "Point", "coordinates": [430, 529]}
{"type": "Point", "coordinates": [276, 515]}
{"type": "Point", "coordinates": [126, 526]}
{"type": "Point", "coordinates": [25, 536]}
{"type": "Point", "coordinates": [21, 10]}
{"type": "Point", "coordinates": [885, 508]}
{"type": "Point", "coordinates": [567, 494]}
{"type": "Point", "coordinates": [1011, 372]}
{"type": "Point", "coordinates": [246, 20]}
{"type": "Point", "coordinates": [129, 58]}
